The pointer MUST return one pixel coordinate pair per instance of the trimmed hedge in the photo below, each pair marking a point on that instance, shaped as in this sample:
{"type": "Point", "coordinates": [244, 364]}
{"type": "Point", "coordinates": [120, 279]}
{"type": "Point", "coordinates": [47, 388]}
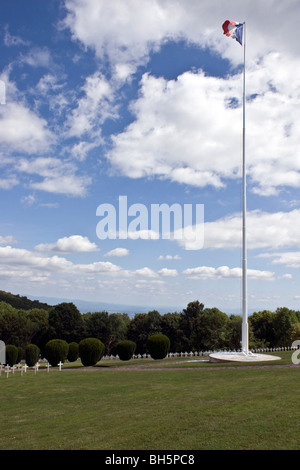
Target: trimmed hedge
{"type": "Point", "coordinates": [91, 351]}
{"type": "Point", "coordinates": [126, 349]}
{"type": "Point", "coordinates": [158, 346]}
{"type": "Point", "coordinates": [73, 353]}
{"type": "Point", "coordinates": [32, 353]}
{"type": "Point", "coordinates": [11, 352]}
{"type": "Point", "coordinates": [56, 350]}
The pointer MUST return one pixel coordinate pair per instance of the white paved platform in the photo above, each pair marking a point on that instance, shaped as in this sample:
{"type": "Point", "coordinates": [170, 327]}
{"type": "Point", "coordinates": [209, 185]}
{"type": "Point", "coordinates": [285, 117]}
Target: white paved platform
{"type": "Point", "coordinates": [241, 357]}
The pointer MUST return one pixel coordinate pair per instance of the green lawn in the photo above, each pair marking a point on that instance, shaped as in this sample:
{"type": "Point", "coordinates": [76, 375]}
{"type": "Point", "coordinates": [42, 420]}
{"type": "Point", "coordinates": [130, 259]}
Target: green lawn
{"type": "Point", "coordinates": [177, 409]}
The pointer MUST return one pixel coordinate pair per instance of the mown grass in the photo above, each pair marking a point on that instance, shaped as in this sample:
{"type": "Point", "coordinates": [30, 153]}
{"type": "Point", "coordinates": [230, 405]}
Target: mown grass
{"type": "Point", "coordinates": [173, 409]}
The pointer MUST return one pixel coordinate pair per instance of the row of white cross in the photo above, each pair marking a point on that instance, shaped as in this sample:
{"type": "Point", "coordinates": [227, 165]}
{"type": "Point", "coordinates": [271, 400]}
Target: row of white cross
{"type": "Point", "coordinates": [23, 368]}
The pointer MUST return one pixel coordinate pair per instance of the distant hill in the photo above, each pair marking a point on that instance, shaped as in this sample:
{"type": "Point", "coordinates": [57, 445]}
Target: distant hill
{"type": "Point", "coordinates": [85, 306]}
{"type": "Point", "coordinates": [22, 302]}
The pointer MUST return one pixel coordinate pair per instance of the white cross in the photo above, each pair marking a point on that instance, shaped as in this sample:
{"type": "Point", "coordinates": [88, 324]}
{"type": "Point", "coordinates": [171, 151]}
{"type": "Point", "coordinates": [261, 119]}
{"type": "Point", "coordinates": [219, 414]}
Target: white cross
{"type": "Point", "coordinates": [60, 364]}
{"type": "Point", "coordinates": [7, 371]}
{"type": "Point", "coordinates": [48, 367]}
{"type": "Point", "coordinates": [36, 367]}
{"type": "Point", "coordinates": [25, 367]}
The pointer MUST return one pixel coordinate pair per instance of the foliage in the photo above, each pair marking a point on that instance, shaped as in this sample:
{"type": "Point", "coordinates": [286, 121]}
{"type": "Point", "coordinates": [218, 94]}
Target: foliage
{"type": "Point", "coordinates": [143, 325]}
{"type": "Point", "coordinates": [32, 353]}
{"type": "Point", "coordinates": [56, 351]}
{"type": "Point", "coordinates": [234, 332]}
{"type": "Point", "coordinates": [171, 326]}
{"type": "Point", "coordinates": [91, 351]}
{"type": "Point", "coordinates": [11, 354]}
{"type": "Point", "coordinates": [158, 345]}
{"type": "Point", "coordinates": [195, 328]}
{"type": "Point", "coordinates": [22, 302]}
{"type": "Point", "coordinates": [73, 352]}
{"type": "Point", "coordinates": [126, 349]}
{"type": "Point", "coordinates": [20, 354]}
{"type": "Point", "coordinates": [108, 328]}
{"type": "Point", "coordinates": [65, 322]}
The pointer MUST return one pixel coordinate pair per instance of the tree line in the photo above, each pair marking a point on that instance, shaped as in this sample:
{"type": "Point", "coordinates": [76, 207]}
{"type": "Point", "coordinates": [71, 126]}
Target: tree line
{"type": "Point", "coordinates": [196, 328]}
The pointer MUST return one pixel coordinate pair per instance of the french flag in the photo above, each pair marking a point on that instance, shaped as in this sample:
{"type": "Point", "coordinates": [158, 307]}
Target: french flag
{"type": "Point", "coordinates": [233, 29]}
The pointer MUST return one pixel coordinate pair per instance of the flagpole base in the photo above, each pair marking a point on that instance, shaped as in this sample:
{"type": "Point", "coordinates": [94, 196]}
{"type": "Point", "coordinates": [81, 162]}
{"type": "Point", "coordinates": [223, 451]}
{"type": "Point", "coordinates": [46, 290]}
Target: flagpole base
{"type": "Point", "coordinates": [241, 356]}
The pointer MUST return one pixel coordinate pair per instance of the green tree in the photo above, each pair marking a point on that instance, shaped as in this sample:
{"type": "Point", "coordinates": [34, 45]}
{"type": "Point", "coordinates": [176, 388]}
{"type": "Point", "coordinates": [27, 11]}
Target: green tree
{"type": "Point", "coordinates": [109, 328]}
{"type": "Point", "coordinates": [210, 329]}
{"type": "Point", "coordinates": [126, 349]}
{"type": "Point", "coordinates": [39, 319]}
{"type": "Point", "coordinates": [32, 353]}
{"type": "Point", "coordinates": [65, 322]}
{"type": "Point", "coordinates": [11, 354]}
{"type": "Point", "coordinates": [295, 333]}
{"type": "Point", "coordinates": [142, 326]}
{"type": "Point", "coordinates": [171, 327]}
{"type": "Point", "coordinates": [91, 351]}
{"type": "Point", "coordinates": [262, 325]}
{"type": "Point", "coordinates": [234, 332]}
{"type": "Point", "coordinates": [284, 321]}
{"type": "Point", "coordinates": [15, 327]}
{"type": "Point", "coordinates": [73, 352]}
{"type": "Point", "coordinates": [56, 351]}
{"type": "Point", "coordinates": [158, 345]}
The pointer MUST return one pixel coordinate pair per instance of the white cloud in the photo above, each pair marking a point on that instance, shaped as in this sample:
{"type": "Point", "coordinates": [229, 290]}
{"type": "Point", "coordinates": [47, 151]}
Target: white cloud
{"type": "Point", "coordinates": [224, 272]}
{"type": "Point", "coordinates": [264, 230]}
{"type": "Point", "coordinates": [72, 244]}
{"type": "Point", "coordinates": [36, 57]}
{"type": "Point", "coordinates": [146, 272]}
{"type": "Point", "coordinates": [186, 130]}
{"type": "Point", "coordinates": [168, 272]}
{"type": "Point", "coordinates": [58, 176]}
{"type": "Point", "coordinates": [168, 257]}
{"type": "Point", "coordinates": [119, 252]}
{"type": "Point", "coordinates": [9, 182]}
{"type": "Point", "coordinates": [13, 259]}
{"type": "Point", "coordinates": [8, 239]}
{"type": "Point", "coordinates": [22, 130]}
{"type": "Point", "coordinates": [290, 258]}
{"type": "Point", "coordinates": [124, 31]}
{"type": "Point", "coordinates": [12, 40]}
{"type": "Point", "coordinates": [92, 109]}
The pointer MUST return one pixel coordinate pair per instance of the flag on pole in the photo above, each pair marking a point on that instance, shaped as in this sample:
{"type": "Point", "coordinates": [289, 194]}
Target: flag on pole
{"type": "Point", "coordinates": [234, 30]}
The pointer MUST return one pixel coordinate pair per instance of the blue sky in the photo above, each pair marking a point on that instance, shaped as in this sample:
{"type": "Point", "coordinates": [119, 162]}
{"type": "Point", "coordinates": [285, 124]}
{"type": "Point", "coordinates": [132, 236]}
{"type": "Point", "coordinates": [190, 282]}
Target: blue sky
{"type": "Point", "coordinates": [142, 99]}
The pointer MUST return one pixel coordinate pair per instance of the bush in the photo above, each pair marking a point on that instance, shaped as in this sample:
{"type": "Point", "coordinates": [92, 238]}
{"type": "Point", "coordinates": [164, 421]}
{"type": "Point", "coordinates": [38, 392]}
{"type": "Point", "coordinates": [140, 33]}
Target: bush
{"type": "Point", "coordinates": [20, 354]}
{"type": "Point", "coordinates": [158, 345]}
{"type": "Point", "coordinates": [32, 353]}
{"type": "Point", "coordinates": [11, 354]}
{"type": "Point", "coordinates": [91, 351]}
{"type": "Point", "coordinates": [126, 349]}
{"type": "Point", "coordinates": [56, 350]}
{"type": "Point", "coordinates": [73, 353]}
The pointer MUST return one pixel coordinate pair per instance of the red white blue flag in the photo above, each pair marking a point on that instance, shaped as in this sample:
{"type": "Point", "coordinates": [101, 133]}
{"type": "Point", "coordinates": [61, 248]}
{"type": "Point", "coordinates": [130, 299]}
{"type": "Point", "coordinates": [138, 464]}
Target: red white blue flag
{"type": "Point", "coordinates": [234, 30]}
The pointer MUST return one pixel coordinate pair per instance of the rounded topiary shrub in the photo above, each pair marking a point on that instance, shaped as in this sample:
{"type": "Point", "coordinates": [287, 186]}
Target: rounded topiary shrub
{"type": "Point", "coordinates": [126, 349]}
{"type": "Point", "coordinates": [11, 352]}
{"type": "Point", "coordinates": [20, 354]}
{"type": "Point", "coordinates": [73, 353]}
{"type": "Point", "coordinates": [32, 353]}
{"type": "Point", "coordinates": [91, 351]}
{"type": "Point", "coordinates": [56, 350]}
{"type": "Point", "coordinates": [158, 346]}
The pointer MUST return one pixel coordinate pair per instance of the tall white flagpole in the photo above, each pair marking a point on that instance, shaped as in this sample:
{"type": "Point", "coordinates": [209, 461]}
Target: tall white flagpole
{"type": "Point", "coordinates": [245, 332]}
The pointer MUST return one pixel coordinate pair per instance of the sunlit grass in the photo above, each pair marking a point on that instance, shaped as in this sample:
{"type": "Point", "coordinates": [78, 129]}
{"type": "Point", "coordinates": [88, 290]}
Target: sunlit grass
{"type": "Point", "coordinates": [177, 409]}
